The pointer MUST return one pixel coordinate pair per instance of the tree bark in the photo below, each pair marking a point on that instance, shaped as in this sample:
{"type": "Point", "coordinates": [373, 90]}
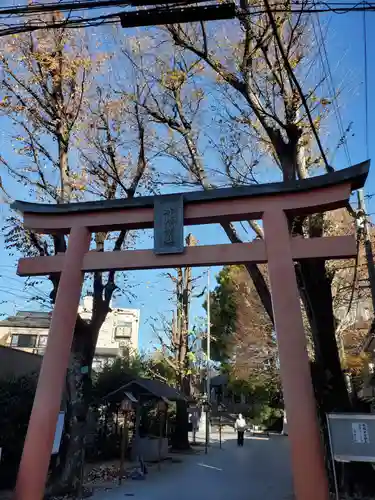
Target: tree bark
{"type": "Point", "coordinates": [317, 297]}
{"type": "Point", "coordinates": [254, 273]}
{"type": "Point", "coordinates": [180, 437]}
{"type": "Point", "coordinates": [66, 475]}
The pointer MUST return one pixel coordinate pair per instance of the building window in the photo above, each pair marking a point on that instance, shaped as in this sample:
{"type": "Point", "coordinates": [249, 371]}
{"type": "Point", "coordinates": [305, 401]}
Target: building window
{"type": "Point", "coordinates": [123, 330]}
{"type": "Point", "coordinates": [42, 340]}
{"type": "Point", "coordinates": [24, 341]}
{"type": "Point", "coordinates": [14, 341]}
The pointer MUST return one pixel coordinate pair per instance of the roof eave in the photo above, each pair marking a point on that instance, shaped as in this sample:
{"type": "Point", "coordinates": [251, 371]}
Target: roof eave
{"type": "Point", "coordinates": [355, 175]}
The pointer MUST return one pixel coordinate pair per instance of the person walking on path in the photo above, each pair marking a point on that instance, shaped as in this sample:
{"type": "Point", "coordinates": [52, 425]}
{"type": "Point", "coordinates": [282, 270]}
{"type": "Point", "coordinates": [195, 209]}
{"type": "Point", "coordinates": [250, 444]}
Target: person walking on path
{"type": "Point", "coordinates": [240, 427]}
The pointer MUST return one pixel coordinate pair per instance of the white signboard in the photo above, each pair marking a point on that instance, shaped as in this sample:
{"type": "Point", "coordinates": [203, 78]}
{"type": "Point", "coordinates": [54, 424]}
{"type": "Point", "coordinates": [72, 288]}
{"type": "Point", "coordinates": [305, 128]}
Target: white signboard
{"type": "Point", "coordinates": [352, 436]}
{"type": "Point", "coordinates": [360, 433]}
{"type": "Point", "coordinates": [58, 433]}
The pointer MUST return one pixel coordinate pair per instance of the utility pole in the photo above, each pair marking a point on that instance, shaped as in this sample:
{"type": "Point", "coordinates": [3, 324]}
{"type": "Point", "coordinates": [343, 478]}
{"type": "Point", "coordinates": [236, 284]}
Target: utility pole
{"type": "Point", "coordinates": [208, 338]}
{"type": "Point", "coordinates": [364, 226]}
{"type": "Point", "coordinates": [208, 374]}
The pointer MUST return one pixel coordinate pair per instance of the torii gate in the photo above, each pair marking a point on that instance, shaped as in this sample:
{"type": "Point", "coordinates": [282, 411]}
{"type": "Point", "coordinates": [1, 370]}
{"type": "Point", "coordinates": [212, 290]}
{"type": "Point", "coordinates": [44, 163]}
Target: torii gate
{"type": "Point", "coordinates": [273, 203]}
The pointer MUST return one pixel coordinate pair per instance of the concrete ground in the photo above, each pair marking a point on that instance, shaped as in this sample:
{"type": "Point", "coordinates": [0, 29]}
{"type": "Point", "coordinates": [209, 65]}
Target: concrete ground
{"type": "Point", "coordinates": [258, 471]}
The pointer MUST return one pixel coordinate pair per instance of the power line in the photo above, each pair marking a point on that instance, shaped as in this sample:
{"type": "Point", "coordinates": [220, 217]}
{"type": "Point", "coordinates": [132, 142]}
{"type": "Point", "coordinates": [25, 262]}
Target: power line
{"type": "Point", "coordinates": [110, 18]}
{"type": "Point", "coordinates": [364, 228]}
{"type": "Point", "coordinates": [366, 83]}
{"type": "Point", "coordinates": [297, 85]}
{"type": "Point", "coordinates": [67, 24]}
{"type": "Point", "coordinates": [295, 81]}
{"type": "Point", "coordinates": [363, 222]}
{"type": "Point", "coordinates": [42, 8]}
{"type": "Point", "coordinates": [113, 18]}
{"type": "Point", "coordinates": [331, 89]}
{"type": "Point", "coordinates": [94, 4]}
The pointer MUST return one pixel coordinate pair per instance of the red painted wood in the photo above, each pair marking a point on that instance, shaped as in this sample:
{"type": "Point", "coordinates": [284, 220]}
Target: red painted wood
{"type": "Point", "coordinates": [32, 473]}
{"type": "Point", "coordinates": [339, 247]}
{"type": "Point", "coordinates": [309, 474]}
{"type": "Point", "coordinates": [205, 212]}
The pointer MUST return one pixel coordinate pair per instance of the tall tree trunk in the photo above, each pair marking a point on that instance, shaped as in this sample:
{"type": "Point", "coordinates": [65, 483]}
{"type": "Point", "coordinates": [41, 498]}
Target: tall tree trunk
{"type": "Point", "coordinates": [315, 287]}
{"type": "Point", "coordinates": [65, 477]}
{"type": "Point", "coordinates": [317, 297]}
{"type": "Point", "coordinates": [180, 437]}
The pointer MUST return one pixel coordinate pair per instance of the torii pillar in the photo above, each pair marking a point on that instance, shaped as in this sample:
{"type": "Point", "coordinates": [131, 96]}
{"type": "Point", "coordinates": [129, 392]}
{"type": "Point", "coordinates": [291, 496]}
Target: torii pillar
{"type": "Point", "coordinates": [274, 203]}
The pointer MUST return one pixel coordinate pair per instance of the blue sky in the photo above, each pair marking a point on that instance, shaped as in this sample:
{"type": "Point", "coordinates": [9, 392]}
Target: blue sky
{"type": "Point", "coordinates": [346, 54]}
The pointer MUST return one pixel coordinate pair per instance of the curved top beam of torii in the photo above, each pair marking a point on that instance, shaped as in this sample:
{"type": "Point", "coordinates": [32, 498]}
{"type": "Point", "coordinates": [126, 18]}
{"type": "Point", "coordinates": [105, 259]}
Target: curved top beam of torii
{"type": "Point", "coordinates": [355, 175]}
{"type": "Point", "coordinates": [312, 195]}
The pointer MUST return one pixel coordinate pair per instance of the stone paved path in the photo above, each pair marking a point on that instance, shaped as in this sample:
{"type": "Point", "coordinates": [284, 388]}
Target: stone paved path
{"type": "Point", "coordinates": [258, 471]}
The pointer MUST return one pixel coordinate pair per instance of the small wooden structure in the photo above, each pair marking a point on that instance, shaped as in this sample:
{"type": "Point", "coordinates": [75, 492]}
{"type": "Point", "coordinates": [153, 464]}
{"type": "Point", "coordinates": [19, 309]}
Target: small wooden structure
{"type": "Point", "coordinates": [148, 391]}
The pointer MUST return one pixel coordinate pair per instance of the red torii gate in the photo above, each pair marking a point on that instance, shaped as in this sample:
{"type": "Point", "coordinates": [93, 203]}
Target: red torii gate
{"type": "Point", "coordinates": [273, 203]}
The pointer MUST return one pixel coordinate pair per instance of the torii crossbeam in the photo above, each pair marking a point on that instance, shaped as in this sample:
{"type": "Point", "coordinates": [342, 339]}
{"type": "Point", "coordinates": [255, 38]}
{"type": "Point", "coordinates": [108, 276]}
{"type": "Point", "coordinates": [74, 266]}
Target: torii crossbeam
{"type": "Point", "coordinates": [273, 203]}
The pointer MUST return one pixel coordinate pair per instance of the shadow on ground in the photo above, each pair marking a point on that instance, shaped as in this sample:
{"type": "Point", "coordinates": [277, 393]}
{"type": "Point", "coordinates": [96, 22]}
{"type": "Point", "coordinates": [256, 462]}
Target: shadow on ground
{"type": "Point", "coordinates": [260, 470]}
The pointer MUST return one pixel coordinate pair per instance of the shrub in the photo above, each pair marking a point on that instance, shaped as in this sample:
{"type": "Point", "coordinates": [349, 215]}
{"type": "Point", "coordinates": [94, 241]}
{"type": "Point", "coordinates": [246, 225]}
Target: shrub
{"type": "Point", "coordinates": [16, 400]}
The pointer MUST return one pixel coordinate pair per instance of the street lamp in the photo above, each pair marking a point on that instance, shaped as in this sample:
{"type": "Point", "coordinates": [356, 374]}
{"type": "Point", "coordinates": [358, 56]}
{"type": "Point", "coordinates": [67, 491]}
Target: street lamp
{"type": "Point", "coordinates": [208, 374]}
{"type": "Point", "coordinates": [208, 388]}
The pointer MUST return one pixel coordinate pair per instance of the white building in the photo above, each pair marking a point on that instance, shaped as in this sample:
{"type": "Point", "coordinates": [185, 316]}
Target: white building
{"type": "Point", "coordinates": [28, 331]}
{"type": "Point", "coordinates": [118, 332]}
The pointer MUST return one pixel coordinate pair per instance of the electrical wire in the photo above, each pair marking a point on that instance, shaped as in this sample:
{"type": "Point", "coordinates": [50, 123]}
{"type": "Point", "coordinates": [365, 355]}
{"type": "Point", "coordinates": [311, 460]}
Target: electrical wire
{"type": "Point", "coordinates": [94, 4]}
{"type": "Point", "coordinates": [42, 8]}
{"type": "Point", "coordinates": [297, 85]}
{"type": "Point", "coordinates": [366, 83]}
{"type": "Point", "coordinates": [329, 168]}
{"type": "Point", "coordinates": [113, 18]}
{"type": "Point", "coordinates": [69, 23]}
{"type": "Point", "coordinates": [63, 6]}
{"type": "Point", "coordinates": [312, 10]}
{"type": "Point", "coordinates": [355, 276]}
{"type": "Point", "coordinates": [323, 53]}
{"type": "Point", "coordinates": [90, 5]}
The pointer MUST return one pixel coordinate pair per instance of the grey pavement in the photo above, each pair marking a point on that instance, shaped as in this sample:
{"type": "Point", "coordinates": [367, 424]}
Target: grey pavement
{"type": "Point", "coordinates": [258, 471]}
